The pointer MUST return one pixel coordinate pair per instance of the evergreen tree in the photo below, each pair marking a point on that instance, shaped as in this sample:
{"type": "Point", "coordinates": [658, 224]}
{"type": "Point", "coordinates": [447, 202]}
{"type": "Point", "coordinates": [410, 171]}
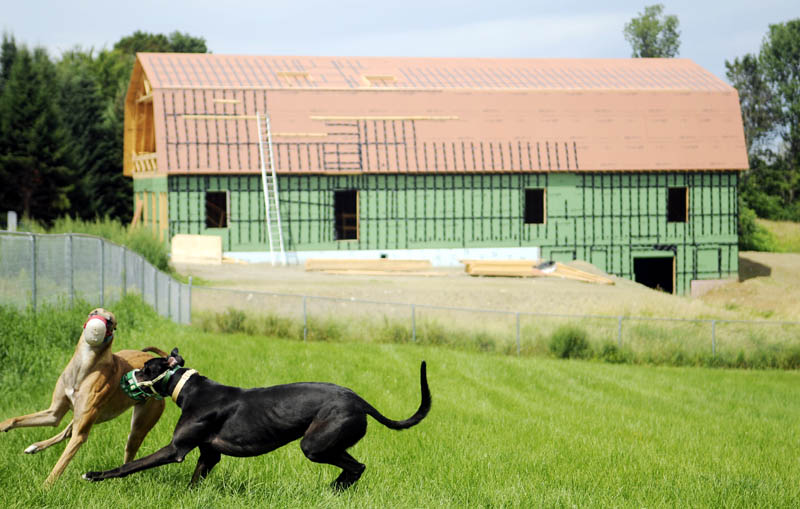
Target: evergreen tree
{"type": "Point", "coordinates": [34, 166]}
{"type": "Point", "coordinates": [8, 51]}
{"type": "Point", "coordinates": [101, 189]}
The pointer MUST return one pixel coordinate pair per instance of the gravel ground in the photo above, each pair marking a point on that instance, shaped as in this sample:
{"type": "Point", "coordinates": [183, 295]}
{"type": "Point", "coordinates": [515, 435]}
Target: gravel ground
{"type": "Point", "coordinates": [770, 290]}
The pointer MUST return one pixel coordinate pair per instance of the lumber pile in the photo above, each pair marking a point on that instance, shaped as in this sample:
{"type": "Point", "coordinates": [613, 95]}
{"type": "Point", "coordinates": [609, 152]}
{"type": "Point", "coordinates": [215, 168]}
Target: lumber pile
{"type": "Point", "coordinates": [375, 266]}
{"type": "Point", "coordinates": [531, 268]}
{"type": "Point", "coordinates": [567, 272]}
{"type": "Point", "coordinates": [509, 268]}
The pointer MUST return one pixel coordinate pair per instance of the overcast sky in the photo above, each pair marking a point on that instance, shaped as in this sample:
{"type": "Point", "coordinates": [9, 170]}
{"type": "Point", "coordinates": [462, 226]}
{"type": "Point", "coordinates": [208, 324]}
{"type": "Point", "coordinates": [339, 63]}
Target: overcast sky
{"type": "Point", "coordinates": [711, 31]}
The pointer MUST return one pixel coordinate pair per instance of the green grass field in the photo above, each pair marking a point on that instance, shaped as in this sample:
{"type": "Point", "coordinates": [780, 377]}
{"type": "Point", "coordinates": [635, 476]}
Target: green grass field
{"type": "Point", "coordinates": [503, 431]}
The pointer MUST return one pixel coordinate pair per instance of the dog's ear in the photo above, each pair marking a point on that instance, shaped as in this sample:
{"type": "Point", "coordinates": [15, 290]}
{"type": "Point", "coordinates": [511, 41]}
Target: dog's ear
{"type": "Point", "coordinates": [175, 359]}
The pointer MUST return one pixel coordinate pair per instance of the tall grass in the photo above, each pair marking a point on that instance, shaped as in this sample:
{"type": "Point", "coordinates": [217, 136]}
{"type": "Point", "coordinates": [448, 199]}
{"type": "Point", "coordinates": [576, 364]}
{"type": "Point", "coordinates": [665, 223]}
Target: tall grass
{"type": "Point", "coordinates": [785, 235]}
{"type": "Point", "coordinates": [652, 343]}
{"type": "Point", "coordinates": [503, 431]}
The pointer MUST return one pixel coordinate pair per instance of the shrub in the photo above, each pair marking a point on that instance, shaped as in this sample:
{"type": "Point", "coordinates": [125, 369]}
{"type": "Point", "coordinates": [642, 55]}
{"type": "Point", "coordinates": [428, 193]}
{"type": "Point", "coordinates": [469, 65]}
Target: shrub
{"type": "Point", "coordinates": [610, 352]}
{"type": "Point", "coordinates": [753, 237]}
{"type": "Point", "coordinates": [569, 342]}
{"type": "Point", "coordinates": [231, 321]}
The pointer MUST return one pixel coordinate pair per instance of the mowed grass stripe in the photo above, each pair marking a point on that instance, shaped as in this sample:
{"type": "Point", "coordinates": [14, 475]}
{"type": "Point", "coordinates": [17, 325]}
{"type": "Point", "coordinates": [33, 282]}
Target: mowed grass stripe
{"type": "Point", "coordinates": [503, 432]}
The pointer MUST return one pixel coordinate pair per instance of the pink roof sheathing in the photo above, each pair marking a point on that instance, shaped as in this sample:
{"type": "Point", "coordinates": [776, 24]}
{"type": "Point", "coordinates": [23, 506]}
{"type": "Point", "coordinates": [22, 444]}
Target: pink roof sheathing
{"type": "Point", "coordinates": [414, 115]}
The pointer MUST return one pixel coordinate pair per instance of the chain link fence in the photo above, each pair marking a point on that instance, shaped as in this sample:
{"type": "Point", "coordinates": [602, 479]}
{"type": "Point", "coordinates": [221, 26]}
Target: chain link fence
{"type": "Point", "coordinates": [37, 269]}
{"type": "Point", "coordinates": [499, 330]}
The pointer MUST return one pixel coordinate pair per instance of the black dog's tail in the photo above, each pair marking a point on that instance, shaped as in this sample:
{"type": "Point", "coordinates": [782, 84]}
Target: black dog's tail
{"type": "Point", "coordinates": [422, 411]}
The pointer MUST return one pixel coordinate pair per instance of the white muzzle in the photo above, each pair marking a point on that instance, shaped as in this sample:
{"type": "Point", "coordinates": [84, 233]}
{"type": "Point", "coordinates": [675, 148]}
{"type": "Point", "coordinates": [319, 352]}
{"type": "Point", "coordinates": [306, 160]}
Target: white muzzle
{"type": "Point", "coordinates": [95, 332]}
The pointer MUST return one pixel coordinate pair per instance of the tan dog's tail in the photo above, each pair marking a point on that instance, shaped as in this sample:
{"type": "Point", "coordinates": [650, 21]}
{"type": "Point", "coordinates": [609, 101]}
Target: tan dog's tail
{"type": "Point", "coordinates": [155, 350]}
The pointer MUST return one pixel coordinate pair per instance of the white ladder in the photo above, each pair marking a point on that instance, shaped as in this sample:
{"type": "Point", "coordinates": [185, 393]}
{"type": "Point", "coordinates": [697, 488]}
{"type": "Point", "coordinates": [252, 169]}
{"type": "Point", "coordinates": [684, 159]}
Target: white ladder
{"type": "Point", "coordinates": [270, 183]}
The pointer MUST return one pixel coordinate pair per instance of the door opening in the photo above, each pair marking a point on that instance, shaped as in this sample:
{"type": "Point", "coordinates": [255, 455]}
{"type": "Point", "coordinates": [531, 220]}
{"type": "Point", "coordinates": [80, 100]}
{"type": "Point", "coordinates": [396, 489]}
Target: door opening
{"type": "Point", "coordinates": [656, 273]}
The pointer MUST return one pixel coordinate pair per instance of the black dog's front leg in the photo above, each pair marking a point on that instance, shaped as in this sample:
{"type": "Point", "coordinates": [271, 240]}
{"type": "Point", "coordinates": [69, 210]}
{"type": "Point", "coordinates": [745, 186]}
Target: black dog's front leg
{"type": "Point", "coordinates": [169, 454]}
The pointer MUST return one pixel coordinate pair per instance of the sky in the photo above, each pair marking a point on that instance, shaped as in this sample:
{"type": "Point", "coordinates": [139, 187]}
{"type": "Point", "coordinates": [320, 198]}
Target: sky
{"type": "Point", "coordinates": [711, 31]}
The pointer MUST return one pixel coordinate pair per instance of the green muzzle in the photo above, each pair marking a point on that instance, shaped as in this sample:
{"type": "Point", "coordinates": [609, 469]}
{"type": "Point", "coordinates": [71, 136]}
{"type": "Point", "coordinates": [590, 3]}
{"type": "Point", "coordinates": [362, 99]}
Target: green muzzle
{"type": "Point", "coordinates": [140, 391]}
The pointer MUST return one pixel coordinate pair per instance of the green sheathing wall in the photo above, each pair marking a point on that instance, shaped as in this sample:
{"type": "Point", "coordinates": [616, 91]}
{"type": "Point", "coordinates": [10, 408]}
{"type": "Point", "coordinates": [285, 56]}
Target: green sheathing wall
{"type": "Point", "coordinates": [606, 219]}
{"type": "Point", "coordinates": [148, 190]}
{"type": "Point", "coordinates": [610, 219]}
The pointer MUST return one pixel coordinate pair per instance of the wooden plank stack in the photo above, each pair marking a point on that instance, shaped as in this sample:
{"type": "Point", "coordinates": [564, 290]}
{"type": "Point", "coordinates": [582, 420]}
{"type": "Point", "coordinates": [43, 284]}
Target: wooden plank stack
{"type": "Point", "coordinates": [371, 267]}
{"type": "Point", "coordinates": [531, 268]}
{"type": "Point", "coordinates": [509, 268]}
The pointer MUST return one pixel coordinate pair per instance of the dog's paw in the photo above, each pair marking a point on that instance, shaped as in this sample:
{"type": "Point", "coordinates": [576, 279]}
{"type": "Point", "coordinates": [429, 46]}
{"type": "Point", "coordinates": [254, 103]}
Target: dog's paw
{"type": "Point", "coordinates": [92, 476]}
{"type": "Point", "coordinates": [32, 449]}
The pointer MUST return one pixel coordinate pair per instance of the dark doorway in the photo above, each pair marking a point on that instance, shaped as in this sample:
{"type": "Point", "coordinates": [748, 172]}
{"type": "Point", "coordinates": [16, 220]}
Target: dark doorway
{"type": "Point", "coordinates": [657, 273]}
{"type": "Point", "coordinates": [345, 213]}
{"type": "Point", "coordinates": [677, 204]}
{"type": "Point", "coordinates": [217, 209]}
{"type": "Point", "coordinates": [534, 206]}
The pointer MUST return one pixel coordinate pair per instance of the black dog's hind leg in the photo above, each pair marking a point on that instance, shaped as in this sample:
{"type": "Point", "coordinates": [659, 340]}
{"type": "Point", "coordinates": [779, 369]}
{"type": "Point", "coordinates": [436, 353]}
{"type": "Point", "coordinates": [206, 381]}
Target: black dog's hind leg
{"type": "Point", "coordinates": [326, 441]}
{"type": "Point", "coordinates": [351, 470]}
{"type": "Point", "coordinates": [208, 459]}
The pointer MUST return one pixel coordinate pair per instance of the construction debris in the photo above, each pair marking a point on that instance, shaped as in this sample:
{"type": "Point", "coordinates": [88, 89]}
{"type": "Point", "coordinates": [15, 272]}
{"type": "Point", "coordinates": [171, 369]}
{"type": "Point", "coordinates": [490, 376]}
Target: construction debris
{"type": "Point", "coordinates": [531, 268]}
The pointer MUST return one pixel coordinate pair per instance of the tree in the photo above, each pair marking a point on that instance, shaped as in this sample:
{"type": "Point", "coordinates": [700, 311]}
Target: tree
{"type": "Point", "coordinates": [780, 59]}
{"type": "Point", "coordinates": [756, 100]}
{"type": "Point", "coordinates": [34, 165]}
{"type": "Point", "coordinates": [652, 34]}
{"type": "Point", "coordinates": [185, 43]}
{"type": "Point", "coordinates": [769, 94]}
{"type": "Point", "coordinates": [101, 189]}
{"type": "Point", "coordinates": [8, 51]}
{"type": "Point", "coordinates": [177, 42]}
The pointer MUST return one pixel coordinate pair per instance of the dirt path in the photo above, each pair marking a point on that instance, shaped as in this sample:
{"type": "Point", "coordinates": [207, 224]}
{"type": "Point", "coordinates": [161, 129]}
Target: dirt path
{"type": "Point", "coordinates": [772, 290]}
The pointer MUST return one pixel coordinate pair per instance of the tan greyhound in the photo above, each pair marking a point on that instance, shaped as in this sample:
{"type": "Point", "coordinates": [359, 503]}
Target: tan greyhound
{"type": "Point", "coordinates": [89, 385]}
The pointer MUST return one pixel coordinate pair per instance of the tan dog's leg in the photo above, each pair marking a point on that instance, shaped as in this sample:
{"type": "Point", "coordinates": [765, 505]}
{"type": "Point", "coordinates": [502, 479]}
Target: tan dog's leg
{"type": "Point", "coordinates": [50, 417]}
{"type": "Point", "coordinates": [86, 413]}
{"type": "Point", "coordinates": [145, 416]}
{"type": "Point", "coordinates": [44, 444]}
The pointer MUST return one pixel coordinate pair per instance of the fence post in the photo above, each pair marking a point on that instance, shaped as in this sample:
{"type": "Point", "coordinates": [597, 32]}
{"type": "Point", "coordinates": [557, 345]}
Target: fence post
{"type": "Point", "coordinates": [305, 320]}
{"type": "Point", "coordinates": [189, 305]}
{"type": "Point", "coordinates": [413, 323]}
{"type": "Point", "coordinates": [155, 290]}
{"type": "Point", "coordinates": [70, 272]}
{"type": "Point", "coordinates": [33, 272]}
{"type": "Point", "coordinates": [619, 331]}
{"type": "Point", "coordinates": [517, 333]}
{"type": "Point", "coordinates": [713, 338]}
{"type": "Point", "coordinates": [124, 272]}
{"type": "Point", "coordinates": [102, 273]}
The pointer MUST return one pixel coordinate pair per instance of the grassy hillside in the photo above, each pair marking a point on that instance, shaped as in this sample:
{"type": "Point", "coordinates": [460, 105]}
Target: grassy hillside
{"type": "Point", "coordinates": [503, 431]}
{"type": "Point", "coordinates": [785, 233]}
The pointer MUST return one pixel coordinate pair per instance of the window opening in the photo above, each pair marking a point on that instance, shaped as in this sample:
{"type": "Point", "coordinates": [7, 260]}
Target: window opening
{"type": "Point", "coordinates": [677, 204]}
{"type": "Point", "coordinates": [217, 209]}
{"type": "Point", "coordinates": [345, 212]}
{"type": "Point", "coordinates": [534, 206]}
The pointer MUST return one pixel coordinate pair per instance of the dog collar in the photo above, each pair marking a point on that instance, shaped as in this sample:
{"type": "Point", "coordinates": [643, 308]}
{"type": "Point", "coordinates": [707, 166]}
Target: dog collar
{"type": "Point", "coordinates": [188, 374]}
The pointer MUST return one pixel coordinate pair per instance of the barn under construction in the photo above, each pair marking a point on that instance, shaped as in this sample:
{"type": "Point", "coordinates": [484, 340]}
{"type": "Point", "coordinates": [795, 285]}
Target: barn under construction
{"type": "Point", "coordinates": [630, 164]}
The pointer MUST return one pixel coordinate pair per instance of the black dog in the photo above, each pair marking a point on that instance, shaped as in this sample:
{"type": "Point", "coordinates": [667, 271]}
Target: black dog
{"type": "Point", "coordinates": [248, 422]}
